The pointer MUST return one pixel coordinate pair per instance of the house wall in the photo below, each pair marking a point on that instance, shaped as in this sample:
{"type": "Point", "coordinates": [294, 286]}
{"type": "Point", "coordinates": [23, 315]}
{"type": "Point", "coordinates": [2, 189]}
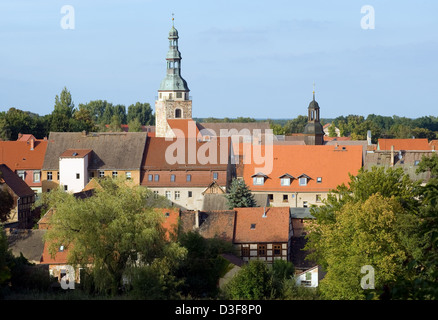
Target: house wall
{"type": "Point", "coordinates": [54, 183]}
{"type": "Point", "coordinates": [69, 168]}
{"type": "Point", "coordinates": [295, 199]}
{"type": "Point", "coordinates": [250, 251]}
{"type": "Point", "coordinates": [303, 278]}
{"type": "Point", "coordinates": [189, 203]}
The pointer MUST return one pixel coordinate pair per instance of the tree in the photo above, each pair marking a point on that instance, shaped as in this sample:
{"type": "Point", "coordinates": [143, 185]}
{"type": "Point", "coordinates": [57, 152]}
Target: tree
{"type": "Point", "coordinates": [116, 230]}
{"type": "Point", "coordinates": [239, 195]}
{"type": "Point", "coordinates": [6, 202]}
{"type": "Point", "coordinates": [373, 221]}
{"type": "Point", "coordinates": [134, 125]}
{"type": "Point", "coordinates": [332, 130]}
{"type": "Point", "coordinates": [141, 112]}
{"type": "Point", "coordinates": [365, 233]}
{"type": "Point", "coordinates": [252, 282]}
{"type": "Point", "coordinates": [204, 265]}
{"type": "Point", "coordinates": [296, 125]}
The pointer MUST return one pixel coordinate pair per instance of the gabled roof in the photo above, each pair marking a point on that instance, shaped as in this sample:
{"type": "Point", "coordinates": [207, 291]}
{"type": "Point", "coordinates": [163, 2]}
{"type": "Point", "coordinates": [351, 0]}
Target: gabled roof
{"type": "Point", "coordinates": [218, 223]}
{"type": "Point", "coordinates": [332, 164]}
{"type": "Point", "coordinates": [18, 155]}
{"type": "Point", "coordinates": [75, 153]}
{"type": "Point", "coordinates": [14, 182]}
{"type": "Point", "coordinates": [184, 128]}
{"type": "Point", "coordinates": [273, 227]}
{"type": "Point", "coordinates": [111, 150]}
{"type": "Point", "coordinates": [191, 152]}
{"type": "Point", "coordinates": [287, 175]}
{"type": "Point", "coordinates": [403, 144]}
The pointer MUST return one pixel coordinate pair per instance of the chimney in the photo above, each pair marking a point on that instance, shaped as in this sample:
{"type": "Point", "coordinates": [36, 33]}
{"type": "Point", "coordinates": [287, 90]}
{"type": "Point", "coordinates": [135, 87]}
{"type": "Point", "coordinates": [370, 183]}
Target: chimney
{"type": "Point", "coordinates": [392, 156]}
{"type": "Point", "coordinates": [32, 144]}
{"type": "Point", "coordinates": [84, 133]}
{"type": "Point", "coordinates": [369, 137]}
{"type": "Point", "coordinates": [264, 212]}
{"type": "Point", "coordinates": [197, 219]}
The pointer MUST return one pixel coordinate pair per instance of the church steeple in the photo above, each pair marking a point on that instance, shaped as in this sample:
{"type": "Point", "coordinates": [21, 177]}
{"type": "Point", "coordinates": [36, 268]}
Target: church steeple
{"type": "Point", "coordinates": [173, 95]}
{"type": "Point", "coordinates": [173, 86]}
{"type": "Point", "coordinates": [313, 132]}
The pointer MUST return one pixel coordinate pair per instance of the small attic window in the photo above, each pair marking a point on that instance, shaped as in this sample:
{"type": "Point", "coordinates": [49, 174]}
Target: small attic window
{"type": "Point", "coordinates": [167, 214]}
{"type": "Point", "coordinates": [319, 179]}
{"type": "Point", "coordinates": [253, 225]}
{"type": "Point", "coordinates": [75, 154]}
{"type": "Point", "coordinates": [61, 248]}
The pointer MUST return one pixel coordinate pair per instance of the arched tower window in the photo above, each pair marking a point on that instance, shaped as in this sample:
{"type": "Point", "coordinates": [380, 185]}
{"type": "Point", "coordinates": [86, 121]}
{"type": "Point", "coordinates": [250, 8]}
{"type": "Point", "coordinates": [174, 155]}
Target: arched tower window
{"type": "Point", "coordinates": [177, 113]}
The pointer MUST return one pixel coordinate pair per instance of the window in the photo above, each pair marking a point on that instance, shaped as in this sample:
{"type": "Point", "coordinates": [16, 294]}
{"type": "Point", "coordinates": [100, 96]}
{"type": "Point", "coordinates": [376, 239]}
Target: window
{"type": "Point", "coordinates": [172, 178]}
{"type": "Point", "coordinates": [417, 162]}
{"type": "Point", "coordinates": [91, 174]}
{"type": "Point", "coordinates": [156, 194]}
{"type": "Point", "coordinates": [157, 178]}
{"type": "Point", "coordinates": [318, 198]}
{"type": "Point", "coordinates": [150, 177]}
{"type": "Point", "coordinates": [245, 251]}
{"type": "Point", "coordinates": [277, 249]}
{"type": "Point", "coordinates": [179, 94]}
{"type": "Point", "coordinates": [57, 175]}
{"type": "Point", "coordinates": [78, 175]}
{"type": "Point", "coordinates": [61, 248]}
{"type": "Point", "coordinates": [49, 176]}
{"type": "Point", "coordinates": [285, 198]}
{"type": "Point", "coordinates": [177, 112]}
{"type": "Point", "coordinates": [115, 174]}
{"type": "Point", "coordinates": [128, 175]}
{"type": "Point", "coordinates": [188, 177]}
{"type": "Point", "coordinates": [177, 195]}
{"type": "Point", "coordinates": [21, 174]}
{"type": "Point", "coordinates": [319, 180]}
{"type": "Point", "coordinates": [271, 197]}
{"type": "Point", "coordinates": [101, 173]}
{"type": "Point", "coordinates": [285, 181]}
{"type": "Point", "coordinates": [258, 181]}
{"type": "Point", "coordinates": [253, 225]}
{"type": "Point", "coordinates": [65, 188]}
{"type": "Point", "coordinates": [303, 181]}
{"type": "Point", "coordinates": [305, 204]}
{"type": "Point", "coordinates": [189, 194]}
{"type": "Point", "coordinates": [168, 195]}
{"type": "Point", "coordinates": [262, 250]}
{"type": "Point", "coordinates": [215, 175]}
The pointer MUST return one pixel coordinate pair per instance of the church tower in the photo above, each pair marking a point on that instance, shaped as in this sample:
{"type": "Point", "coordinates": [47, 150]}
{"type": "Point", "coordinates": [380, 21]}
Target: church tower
{"type": "Point", "coordinates": [173, 95]}
{"type": "Point", "coordinates": [313, 131]}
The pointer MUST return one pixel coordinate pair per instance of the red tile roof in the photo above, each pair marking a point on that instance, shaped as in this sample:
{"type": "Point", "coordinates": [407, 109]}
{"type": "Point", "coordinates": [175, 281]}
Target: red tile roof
{"type": "Point", "coordinates": [75, 153]}
{"type": "Point", "coordinates": [17, 155]}
{"type": "Point", "coordinates": [184, 128]}
{"type": "Point", "coordinates": [403, 144]}
{"type": "Point", "coordinates": [272, 227]}
{"type": "Point", "coordinates": [331, 163]}
{"type": "Point", "coordinates": [433, 145]}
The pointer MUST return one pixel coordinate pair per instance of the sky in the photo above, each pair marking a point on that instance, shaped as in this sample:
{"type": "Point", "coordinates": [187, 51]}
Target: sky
{"type": "Point", "coordinates": [255, 58]}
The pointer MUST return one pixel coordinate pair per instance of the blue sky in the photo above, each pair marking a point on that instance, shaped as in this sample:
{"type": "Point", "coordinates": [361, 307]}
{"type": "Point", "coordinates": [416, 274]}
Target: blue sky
{"type": "Point", "coordinates": [240, 58]}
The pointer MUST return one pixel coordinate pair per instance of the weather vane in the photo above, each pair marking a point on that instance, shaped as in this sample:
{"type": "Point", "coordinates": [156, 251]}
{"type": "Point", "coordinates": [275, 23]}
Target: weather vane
{"type": "Point", "coordinates": [172, 18]}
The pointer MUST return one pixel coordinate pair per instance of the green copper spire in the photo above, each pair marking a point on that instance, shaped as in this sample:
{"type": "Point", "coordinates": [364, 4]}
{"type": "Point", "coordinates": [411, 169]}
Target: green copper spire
{"type": "Point", "coordinates": [173, 80]}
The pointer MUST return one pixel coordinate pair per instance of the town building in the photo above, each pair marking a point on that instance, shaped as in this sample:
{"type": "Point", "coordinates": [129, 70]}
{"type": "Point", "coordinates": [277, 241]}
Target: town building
{"type": "Point", "coordinates": [184, 170]}
{"type": "Point", "coordinates": [25, 157]}
{"type": "Point", "coordinates": [23, 198]}
{"type": "Point", "coordinates": [301, 176]}
{"type": "Point", "coordinates": [262, 233]}
{"type": "Point", "coordinates": [72, 159]}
